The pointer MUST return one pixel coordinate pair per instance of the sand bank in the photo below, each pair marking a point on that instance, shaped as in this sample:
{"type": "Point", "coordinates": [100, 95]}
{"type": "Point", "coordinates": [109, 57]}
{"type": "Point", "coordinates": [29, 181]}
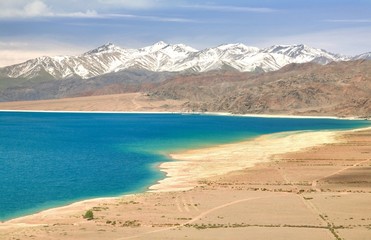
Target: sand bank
{"type": "Point", "coordinates": [124, 103]}
{"type": "Point", "coordinates": [193, 165]}
{"type": "Point", "coordinates": [273, 194]}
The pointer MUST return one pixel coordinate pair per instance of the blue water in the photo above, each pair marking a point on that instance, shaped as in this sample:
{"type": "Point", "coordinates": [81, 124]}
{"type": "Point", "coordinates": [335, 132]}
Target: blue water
{"type": "Point", "coordinates": [51, 159]}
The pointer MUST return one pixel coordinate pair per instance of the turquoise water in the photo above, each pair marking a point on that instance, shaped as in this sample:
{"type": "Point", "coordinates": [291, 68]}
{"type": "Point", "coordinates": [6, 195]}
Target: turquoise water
{"type": "Point", "coordinates": [51, 159]}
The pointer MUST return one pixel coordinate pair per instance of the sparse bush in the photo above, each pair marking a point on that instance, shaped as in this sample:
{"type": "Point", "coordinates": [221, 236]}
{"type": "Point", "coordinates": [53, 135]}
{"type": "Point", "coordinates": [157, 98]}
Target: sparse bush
{"type": "Point", "coordinates": [89, 215]}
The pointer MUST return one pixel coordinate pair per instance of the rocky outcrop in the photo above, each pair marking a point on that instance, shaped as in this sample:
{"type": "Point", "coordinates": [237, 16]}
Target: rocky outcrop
{"type": "Point", "coordinates": [341, 89]}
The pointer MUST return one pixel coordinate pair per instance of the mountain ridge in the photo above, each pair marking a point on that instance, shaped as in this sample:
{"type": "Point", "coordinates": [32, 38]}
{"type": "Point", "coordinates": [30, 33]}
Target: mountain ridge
{"type": "Point", "coordinates": [338, 89]}
{"type": "Point", "coordinates": [164, 57]}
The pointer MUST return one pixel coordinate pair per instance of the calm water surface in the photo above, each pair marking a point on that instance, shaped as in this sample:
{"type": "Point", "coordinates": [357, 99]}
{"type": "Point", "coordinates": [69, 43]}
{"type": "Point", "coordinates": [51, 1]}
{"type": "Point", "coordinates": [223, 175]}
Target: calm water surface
{"type": "Point", "coordinates": [51, 159]}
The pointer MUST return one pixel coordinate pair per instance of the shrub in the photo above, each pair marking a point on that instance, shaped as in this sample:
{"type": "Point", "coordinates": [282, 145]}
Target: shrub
{"type": "Point", "coordinates": [89, 215]}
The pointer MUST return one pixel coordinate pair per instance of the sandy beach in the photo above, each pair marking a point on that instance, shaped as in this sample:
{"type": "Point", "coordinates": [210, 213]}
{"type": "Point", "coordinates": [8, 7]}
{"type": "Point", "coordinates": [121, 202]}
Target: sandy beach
{"type": "Point", "coordinates": [132, 102]}
{"type": "Point", "coordinates": [275, 185]}
{"type": "Point", "coordinates": [191, 166]}
{"type": "Point", "coordinates": [124, 103]}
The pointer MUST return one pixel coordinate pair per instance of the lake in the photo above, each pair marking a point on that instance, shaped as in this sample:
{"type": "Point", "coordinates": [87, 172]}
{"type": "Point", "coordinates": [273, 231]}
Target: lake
{"type": "Point", "coordinates": [52, 159]}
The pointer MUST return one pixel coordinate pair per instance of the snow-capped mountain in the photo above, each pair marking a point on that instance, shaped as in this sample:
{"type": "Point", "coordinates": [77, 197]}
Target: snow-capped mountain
{"type": "Point", "coordinates": [162, 57]}
{"type": "Point", "coordinates": [364, 56]}
{"type": "Point", "coordinates": [302, 53]}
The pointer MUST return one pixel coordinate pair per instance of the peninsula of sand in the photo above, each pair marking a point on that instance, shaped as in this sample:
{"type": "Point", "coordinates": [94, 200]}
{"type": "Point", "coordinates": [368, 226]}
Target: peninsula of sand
{"type": "Point", "coordinates": [298, 185]}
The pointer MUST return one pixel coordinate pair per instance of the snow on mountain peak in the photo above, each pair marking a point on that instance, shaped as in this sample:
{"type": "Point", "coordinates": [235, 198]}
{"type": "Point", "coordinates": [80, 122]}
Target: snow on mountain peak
{"type": "Point", "coordinates": [240, 46]}
{"type": "Point", "coordinates": [363, 56]}
{"type": "Point", "coordinates": [160, 43]}
{"type": "Point", "coordinates": [155, 47]}
{"type": "Point", "coordinates": [301, 53]}
{"type": "Point", "coordinates": [289, 50]}
{"type": "Point", "coordinates": [162, 56]}
{"type": "Point", "coordinates": [108, 47]}
{"type": "Point", "coordinates": [183, 48]}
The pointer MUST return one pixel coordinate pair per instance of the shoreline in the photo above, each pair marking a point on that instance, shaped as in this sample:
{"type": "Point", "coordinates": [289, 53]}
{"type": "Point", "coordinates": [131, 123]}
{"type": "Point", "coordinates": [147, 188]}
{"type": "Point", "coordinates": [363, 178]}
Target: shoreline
{"type": "Point", "coordinates": [293, 195]}
{"type": "Point", "coordinates": [183, 172]}
{"type": "Point", "coordinates": [173, 182]}
{"type": "Point", "coordinates": [139, 102]}
{"type": "Point", "coordinates": [193, 113]}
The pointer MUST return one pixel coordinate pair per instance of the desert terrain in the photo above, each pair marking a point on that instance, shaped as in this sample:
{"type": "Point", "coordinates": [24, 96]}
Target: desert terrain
{"type": "Point", "coordinates": [314, 185]}
{"type": "Point", "coordinates": [133, 102]}
{"type": "Point", "coordinates": [318, 192]}
{"type": "Point", "coordinates": [264, 59]}
{"type": "Point", "coordinates": [341, 89]}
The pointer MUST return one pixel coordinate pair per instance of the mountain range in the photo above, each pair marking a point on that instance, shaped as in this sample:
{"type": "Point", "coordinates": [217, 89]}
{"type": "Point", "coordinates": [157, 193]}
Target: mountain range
{"type": "Point", "coordinates": [163, 57]}
{"type": "Point", "coordinates": [337, 89]}
{"type": "Point", "coordinates": [282, 79]}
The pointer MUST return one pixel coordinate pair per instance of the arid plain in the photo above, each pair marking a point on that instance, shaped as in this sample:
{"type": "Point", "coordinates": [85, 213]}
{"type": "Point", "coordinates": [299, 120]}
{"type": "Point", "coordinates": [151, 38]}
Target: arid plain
{"type": "Point", "coordinates": [268, 59]}
{"type": "Point", "coordinates": [318, 189]}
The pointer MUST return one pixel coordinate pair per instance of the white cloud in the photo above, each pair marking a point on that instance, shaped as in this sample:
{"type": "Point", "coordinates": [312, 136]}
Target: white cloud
{"type": "Point", "coordinates": [74, 8]}
{"type": "Point", "coordinates": [223, 8]}
{"type": "Point", "coordinates": [47, 8]}
{"type": "Point", "coordinates": [24, 9]}
{"type": "Point", "coordinates": [86, 14]}
{"type": "Point", "coordinates": [36, 8]}
{"type": "Point", "coordinates": [15, 9]}
{"type": "Point", "coordinates": [18, 8]}
{"type": "Point", "coordinates": [348, 20]}
{"type": "Point", "coordinates": [148, 18]}
{"type": "Point", "coordinates": [131, 3]}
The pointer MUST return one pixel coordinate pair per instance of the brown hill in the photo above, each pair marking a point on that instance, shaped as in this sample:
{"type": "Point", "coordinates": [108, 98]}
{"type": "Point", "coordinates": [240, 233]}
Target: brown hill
{"type": "Point", "coordinates": [338, 88]}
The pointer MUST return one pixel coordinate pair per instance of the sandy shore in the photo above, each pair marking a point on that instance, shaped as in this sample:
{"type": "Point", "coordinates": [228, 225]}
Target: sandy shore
{"type": "Point", "coordinates": [321, 190]}
{"type": "Point", "coordinates": [121, 103]}
{"type": "Point", "coordinates": [191, 166]}
{"type": "Point", "coordinates": [126, 102]}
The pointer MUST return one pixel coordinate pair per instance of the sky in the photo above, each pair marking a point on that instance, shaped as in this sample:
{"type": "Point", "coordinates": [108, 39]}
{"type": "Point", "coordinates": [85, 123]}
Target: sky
{"type": "Point", "coordinates": [33, 28]}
